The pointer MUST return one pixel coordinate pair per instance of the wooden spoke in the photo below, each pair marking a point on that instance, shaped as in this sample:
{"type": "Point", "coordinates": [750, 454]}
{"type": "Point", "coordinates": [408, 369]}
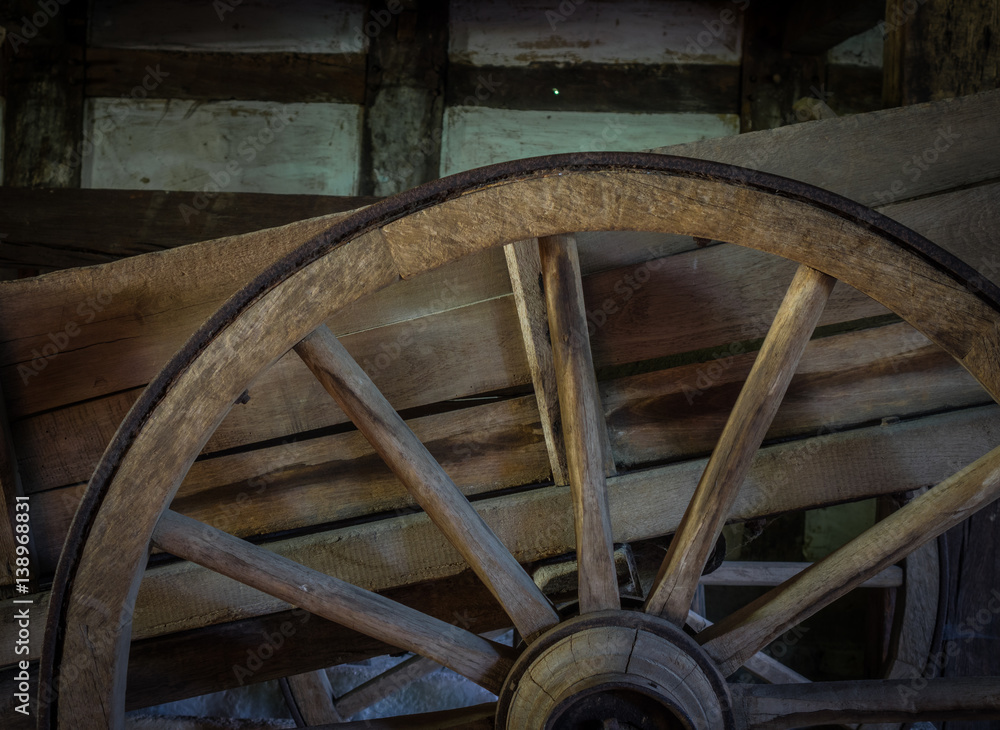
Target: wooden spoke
{"type": "Point", "coordinates": [414, 466]}
{"type": "Point", "coordinates": [749, 420]}
{"type": "Point", "coordinates": [584, 429]}
{"type": "Point", "coordinates": [767, 573]}
{"type": "Point", "coordinates": [731, 641]}
{"type": "Point", "coordinates": [482, 661]}
{"type": "Point", "coordinates": [524, 265]}
{"type": "Point", "coordinates": [866, 701]}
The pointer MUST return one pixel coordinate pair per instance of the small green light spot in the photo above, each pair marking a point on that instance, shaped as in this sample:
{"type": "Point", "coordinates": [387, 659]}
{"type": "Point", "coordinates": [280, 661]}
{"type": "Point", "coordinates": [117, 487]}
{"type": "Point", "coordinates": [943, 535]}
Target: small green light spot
{"type": "Point", "coordinates": [555, 91]}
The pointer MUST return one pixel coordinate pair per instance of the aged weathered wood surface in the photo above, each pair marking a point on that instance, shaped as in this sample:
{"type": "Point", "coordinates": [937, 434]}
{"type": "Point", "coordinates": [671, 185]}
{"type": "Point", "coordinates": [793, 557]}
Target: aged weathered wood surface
{"type": "Point", "coordinates": [404, 99]}
{"type": "Point", "coordinates": [741, 437]}
{"type": "Point", "coordinates": [760, 664]}
{"type": "Point", "coordinates": [790, 706]}
{"type": "Point", "coordinates": [746, 631]}
{"type": "Point", "coordinates": [834, 467]}
{"type": "Point", "coordinates": [881, 144]}
{"type": "Point", "coordinates": [53, 228]}
{"type": "Point", "coordinates": [767, 573]}
{"type": "Point", "coordinates": [424, 478]}
{"type": "Point", "coordinates": [363, 268]}
{"type": "Point", "coordinates": [43, 95]}
{"type": "Point", "coordinates": [176, 666]}
{"type": "Point", "coordinates": [482, 661]}
{"type": "Point", "coordinates": [524, 265]}
{"type": "Point", "coordinates": [938, 50]}
{"type": "Point", "coordinates": [312, 697]}
{"type": "Point", "coordinates": [584, 430]}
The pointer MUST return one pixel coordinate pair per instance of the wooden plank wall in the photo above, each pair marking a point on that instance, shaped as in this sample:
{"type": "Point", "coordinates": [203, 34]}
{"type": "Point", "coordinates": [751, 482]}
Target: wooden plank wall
{"type": "Point", "coordinates": [434, 342]}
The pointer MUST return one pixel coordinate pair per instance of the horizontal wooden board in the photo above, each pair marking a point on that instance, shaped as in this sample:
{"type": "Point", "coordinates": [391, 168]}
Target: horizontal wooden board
{"type": "Point", "coordinates": [304, 26]}
{"type": "Point", "coordinates": [527, 32]}
{"type": "Point", "coordinates": [331, 478]}
{"type": "Point", "coordinates": [841, 382]}
{"type": "Point", "coordinates": [728, 294]}
{"type": "Point", "coordinates": [59, 228]}
{"type": "Point", "coordinates": [827, 469]}
{"type": "Point", "coordinates": [593, 87]}
{"type": "Point", "coordinates": [61, 448]}
{"type": "Point", "coordinates": [175, 667]}
{"type": "Point", "coordinates": [213, 76]}
{"type": "Point", "coordinates": [414, 362]}
{"type": "Point", "coordinates": [221, 146]}
{"type": "Point", "coordinates": [957, 134]}
{"type": "Point", "coordinates": [474, 136]}
{"type": "Point", "coordinates": [459, 352]}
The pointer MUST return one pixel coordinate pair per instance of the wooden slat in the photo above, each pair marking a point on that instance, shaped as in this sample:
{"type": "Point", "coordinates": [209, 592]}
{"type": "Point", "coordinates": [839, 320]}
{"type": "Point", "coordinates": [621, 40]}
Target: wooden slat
{"type": "Point", "coordinates": [429, 484]}
{"type": "Point", "coordinates": [312, 696]}
{"type": "Point", "coordinates": [525, 268]}
{"type": "Point", "coordinates": [537, 524]}
{"type": "Point", "coordinates": [209, 76]}
{"type": "Point", "coordinates": [843, 381]}
{"type": "Point", "coordinates": [383, 685]}
{"type": "Point", "coordinates": [742, 436]}
{"type": "Point", "coordinates": [767, 573]}
{"type": "Point", "coordinates": [482, 661]}
{"type": "Point", "coordinates": [746, 631]}
{"type": "Point", "coordinates": [880, 143]}
{"type": "Point", "coordinates": [586, 435]}
{"type": "Point", "coordinates": [63, 447]}
{"type": "Point", "coordinates": [823, 703]}
{"type": "Point", "coordinates": [74, 441]}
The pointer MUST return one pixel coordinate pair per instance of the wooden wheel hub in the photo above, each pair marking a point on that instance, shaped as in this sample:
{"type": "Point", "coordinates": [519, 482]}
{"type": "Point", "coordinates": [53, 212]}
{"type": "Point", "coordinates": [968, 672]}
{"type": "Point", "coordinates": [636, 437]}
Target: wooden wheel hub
{"type": "Point", "coordinates": [621, 669]}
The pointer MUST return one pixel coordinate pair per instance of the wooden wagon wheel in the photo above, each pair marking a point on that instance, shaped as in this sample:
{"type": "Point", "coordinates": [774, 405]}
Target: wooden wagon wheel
{"type": "Point", "coordinates": [606, 661]}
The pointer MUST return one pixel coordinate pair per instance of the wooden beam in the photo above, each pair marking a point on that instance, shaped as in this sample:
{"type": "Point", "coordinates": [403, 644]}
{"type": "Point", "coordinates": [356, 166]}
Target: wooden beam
{"type": "Point", "coordinates": [767, 573]}
{"type": "Point", "coordinates": [310, 696]}
{"type": "Point", "coordinates": [44, 96]}
{"type": "Point", "coordinates": [815, 27]}
{"type": "Point", "coordinates": [866, 701]}
{"type": "Point", "coordinates": [597, 87]}
{"type": "Point", "coordinates": [938, 50]}
{"type": "Point", "coordinates": [61, 228]}
{"type": "Point", "coordinates": [208, 76]}
{"type": "Point", "coordinates": [404, 99]}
